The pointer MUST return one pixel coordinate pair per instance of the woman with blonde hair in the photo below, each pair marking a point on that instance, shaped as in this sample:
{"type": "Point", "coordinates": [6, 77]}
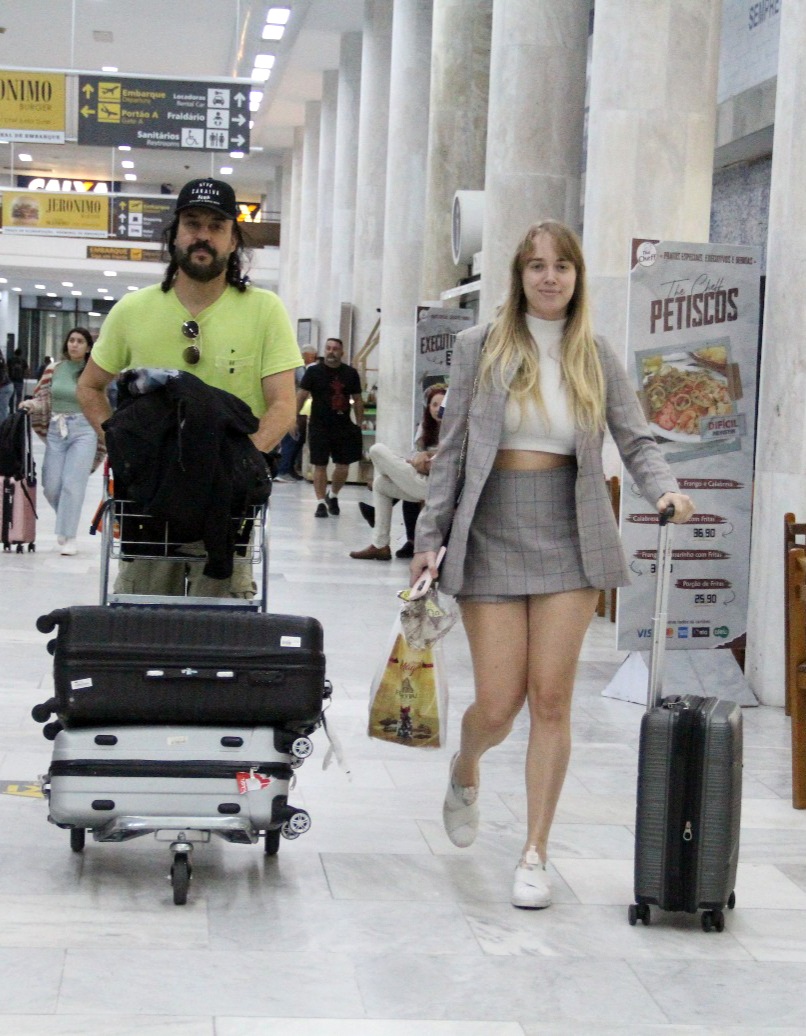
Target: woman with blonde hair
{"type": "Point", "coordinates": [518, 483]}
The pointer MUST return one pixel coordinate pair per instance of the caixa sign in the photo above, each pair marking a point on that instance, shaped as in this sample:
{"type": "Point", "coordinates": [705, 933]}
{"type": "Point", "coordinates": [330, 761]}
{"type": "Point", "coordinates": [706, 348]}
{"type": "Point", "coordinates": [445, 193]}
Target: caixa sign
{"type": "Point", "coordinates": [52, 183]}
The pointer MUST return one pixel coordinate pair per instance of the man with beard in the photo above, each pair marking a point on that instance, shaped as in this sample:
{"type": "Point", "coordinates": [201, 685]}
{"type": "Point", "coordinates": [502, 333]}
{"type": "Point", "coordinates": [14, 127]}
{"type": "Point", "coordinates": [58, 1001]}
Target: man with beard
{"type": "Point", "coordinates": [333, 387]}
{"type": "Point", "coordinates": [204, 318]}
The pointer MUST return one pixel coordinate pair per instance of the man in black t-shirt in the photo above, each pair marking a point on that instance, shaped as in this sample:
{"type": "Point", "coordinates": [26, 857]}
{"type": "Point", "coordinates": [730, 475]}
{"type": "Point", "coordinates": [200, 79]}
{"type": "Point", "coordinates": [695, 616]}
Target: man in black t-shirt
{"type": "Point", "coordinates": [332, 435]}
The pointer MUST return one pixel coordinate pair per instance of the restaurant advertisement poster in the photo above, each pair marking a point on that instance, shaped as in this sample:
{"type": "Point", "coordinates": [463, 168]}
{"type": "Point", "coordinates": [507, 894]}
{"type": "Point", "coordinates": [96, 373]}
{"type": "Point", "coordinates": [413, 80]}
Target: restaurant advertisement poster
{"type": "Point", "coordinates": [55, 215]}
{"type": "Point", "coordinates": [692, 350]}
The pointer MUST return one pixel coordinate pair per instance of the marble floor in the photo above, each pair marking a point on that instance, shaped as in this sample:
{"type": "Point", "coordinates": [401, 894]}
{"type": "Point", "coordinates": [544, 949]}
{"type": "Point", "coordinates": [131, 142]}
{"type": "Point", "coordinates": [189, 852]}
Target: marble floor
{"type": "Point", "coordinates": [372, 923]}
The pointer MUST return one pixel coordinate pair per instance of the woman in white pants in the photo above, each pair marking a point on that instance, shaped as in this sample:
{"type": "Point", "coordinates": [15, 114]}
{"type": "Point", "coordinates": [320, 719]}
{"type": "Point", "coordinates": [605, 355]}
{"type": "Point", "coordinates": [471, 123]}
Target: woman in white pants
{"type": "Point", "coordinates": [402, 478]}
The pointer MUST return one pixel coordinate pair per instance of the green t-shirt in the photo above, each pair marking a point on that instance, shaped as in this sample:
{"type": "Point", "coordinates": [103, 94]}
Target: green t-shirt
{"type": "Point", "coordinates": [244, 337]}
{"type": "Point", "coordinates": [63, 387]}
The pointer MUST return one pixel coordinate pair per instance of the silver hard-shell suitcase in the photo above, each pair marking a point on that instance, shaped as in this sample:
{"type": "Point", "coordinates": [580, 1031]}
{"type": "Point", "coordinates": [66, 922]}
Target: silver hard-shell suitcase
{"type": "Point", "coordinates": [689, 789]}
{"type": "Point", "coordinates": [182, 784]}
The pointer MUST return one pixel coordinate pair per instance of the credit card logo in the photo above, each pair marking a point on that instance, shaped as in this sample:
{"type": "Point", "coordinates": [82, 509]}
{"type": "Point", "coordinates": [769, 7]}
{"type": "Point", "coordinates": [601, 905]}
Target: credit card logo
{"type": "Point", "coordinates": [682, 632]}
{"type": "Point", "coordinates": [700, 631]}
{"type": "Point", "coordinates": [721, 631]}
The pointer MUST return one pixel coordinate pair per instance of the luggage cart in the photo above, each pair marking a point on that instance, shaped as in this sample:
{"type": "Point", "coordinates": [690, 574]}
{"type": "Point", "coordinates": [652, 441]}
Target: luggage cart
{"type": "Point", "coordinates": [154, 543]}
{"type": "Point", "coordinates": [86, 759]}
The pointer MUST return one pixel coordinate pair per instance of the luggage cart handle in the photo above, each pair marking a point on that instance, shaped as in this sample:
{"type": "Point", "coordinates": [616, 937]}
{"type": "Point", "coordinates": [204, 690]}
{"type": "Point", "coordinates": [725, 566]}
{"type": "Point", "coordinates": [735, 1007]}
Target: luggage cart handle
{"type": "Point", "coordinates": [660, 616]}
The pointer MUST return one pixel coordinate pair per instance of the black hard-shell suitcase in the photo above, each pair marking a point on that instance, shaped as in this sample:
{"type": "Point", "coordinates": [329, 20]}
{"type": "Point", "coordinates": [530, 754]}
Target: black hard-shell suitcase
{"type": "Point", "coordinates": [173, 665]}
{"type": "Point", "coordinates": [689, 790]}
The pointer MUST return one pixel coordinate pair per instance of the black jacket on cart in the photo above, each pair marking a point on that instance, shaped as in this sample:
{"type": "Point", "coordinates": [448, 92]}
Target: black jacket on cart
{"type": "Point", "coordinates": [182, 453]}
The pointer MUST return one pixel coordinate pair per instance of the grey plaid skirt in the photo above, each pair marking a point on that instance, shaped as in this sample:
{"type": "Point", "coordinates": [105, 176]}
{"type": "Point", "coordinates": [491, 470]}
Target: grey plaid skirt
{"type": "Point", "coordinates": [524, 537]}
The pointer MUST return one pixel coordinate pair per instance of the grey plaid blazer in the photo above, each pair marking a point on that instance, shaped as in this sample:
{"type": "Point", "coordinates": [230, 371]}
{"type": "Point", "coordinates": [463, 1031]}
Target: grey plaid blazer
{"type": "Point", "coordinates": [602, 554]}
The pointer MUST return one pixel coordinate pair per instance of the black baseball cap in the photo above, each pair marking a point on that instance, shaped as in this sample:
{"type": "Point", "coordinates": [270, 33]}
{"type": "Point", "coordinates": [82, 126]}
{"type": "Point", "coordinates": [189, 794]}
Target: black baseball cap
{"type": "Point", "coordinates": [208, 194]}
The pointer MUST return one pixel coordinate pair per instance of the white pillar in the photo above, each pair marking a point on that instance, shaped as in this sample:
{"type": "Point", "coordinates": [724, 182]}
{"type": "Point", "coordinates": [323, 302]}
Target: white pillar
{"type": "Point", "coordinates": [370, 202]}
{"type": "Point", "coordinates": [344, 177]}
{"type": "Point", "coordinates": [290, 230]}
{"type": "Point", "coordinates": [780, 479]}
{"type": "Point", "coordinates": [404, 220]}
{"type": "Point", "coordinates": [324, 203]}
{"type": "Point", "coordinates": [284, 281]}
{"type": "Point", "coordinates": [534, 127]}
{"type": "Point", "coordinates": [457, 131]}
{"type": "Point", "coordinates": [651, 126]}
{"type": "Point", "coordinates": [306, 293]}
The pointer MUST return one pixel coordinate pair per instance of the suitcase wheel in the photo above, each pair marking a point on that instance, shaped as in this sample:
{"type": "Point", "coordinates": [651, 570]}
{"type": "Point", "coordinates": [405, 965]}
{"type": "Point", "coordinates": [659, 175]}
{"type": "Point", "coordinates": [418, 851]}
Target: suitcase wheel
{"type": "Point", "coordinates": [77, 838]}
{"type": "Point", "coordinates": [180, 878]}
{"type": "Point", "coordinates": [731, 901]}
{"type": "Point", "coordinates": [302, 747]}
{"type": "Point", "coordinates": [713, 919]}
{"type": "Point", "coordinates": [297, 824]}
{"type": "Point", "coordinates": [638, 912]}
{"type": "Point", "coordinates": [271, 845]}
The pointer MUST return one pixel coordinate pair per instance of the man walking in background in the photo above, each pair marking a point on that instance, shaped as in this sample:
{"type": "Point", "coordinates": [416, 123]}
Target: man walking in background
{"type": "Point", "coordinates": [334, 387]}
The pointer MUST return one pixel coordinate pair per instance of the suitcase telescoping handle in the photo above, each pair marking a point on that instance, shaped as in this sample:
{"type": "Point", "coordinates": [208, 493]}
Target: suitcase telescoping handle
{"type": "Point", "coordinates": [664, 567]}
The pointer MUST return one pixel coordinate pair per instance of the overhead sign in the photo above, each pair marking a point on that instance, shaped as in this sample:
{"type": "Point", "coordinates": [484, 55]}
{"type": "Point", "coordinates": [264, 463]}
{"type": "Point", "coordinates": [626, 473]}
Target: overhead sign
{"type": "Point", "coordinates": [160, 113]}
{"type": "Point", "coordinates": [59, 215]}
{"type": "Point", "coordinates": [134, 255]}
{"type": "Point", "coordinates": [32, 107]}
{"type": "Point", "coordinates": [140, 218]}
{"type": "Point", "coordinates": [52, 183]}
{"type": "Point", "coordinates": [693, 345]}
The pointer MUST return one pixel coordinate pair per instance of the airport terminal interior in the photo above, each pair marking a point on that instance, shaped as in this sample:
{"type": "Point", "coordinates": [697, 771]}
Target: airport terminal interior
{"type": "Point", "coordinates": [372, 923]}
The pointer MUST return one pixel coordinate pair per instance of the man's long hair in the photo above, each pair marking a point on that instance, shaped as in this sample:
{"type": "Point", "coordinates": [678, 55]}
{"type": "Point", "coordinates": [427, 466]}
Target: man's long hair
{"type": "Point", "coordinates": [234, 273]}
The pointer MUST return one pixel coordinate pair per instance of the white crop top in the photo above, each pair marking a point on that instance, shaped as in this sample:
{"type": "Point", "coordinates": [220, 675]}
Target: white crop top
{"type": "Point", "coordinates": [525, 427]}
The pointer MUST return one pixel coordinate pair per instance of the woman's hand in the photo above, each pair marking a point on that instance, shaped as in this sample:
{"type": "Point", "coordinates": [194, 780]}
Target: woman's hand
{"type": "Point", "coordinates": [26, 404]}
{"type": "Point", "coordinates": [683, 506]}
{"type": "Point", "coordinates": [425, 559]}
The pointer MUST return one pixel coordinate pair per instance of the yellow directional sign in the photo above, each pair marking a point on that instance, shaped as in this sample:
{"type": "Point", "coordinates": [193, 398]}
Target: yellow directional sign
{"type": "Point", "coordinates": [32, 107]}
{"type": "Point", "coordinates": [25, 790]}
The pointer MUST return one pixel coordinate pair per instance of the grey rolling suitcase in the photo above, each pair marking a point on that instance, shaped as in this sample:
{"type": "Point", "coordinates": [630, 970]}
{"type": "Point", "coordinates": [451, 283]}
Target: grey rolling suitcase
{"type": "Point", "coordinates": [182, 784]}
{"type": "Point", "coordinates": [689, 789]}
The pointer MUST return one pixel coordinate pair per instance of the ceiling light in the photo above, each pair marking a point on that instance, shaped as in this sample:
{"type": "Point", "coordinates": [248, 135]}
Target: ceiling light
{"type": "Point", "coordinates": [260, 75]}
{"type": "Point", "coordinates": [39, 287]}
{"type": "Point", "coordinates": [22, 157]}
{"type": "Point", "coordinates": [127, 164]}
{"type": "Point", "coordinates": [255, 97]}
{"type": "Point", "coordinates": [50, 295]}
{"type": "Point", "coordinates": [110, 273]}
{"type": "Point", "coordinates": [92, 313]}
{"type": "Point", "coordinates": [133, 287]}
{"type": "Point", "coordinates": [278, 15]}
{"type": "Point", "coordinates": [237, 154]}
{"type": "Point", "coordinates": [123, 147]}
{"type": "Point", "coordinates": [130, 176]}
{"type": "Point", "coordinates": [16, 289]}
{"type": "Point", "coordinates": [264, 60]}
{"type": "Point", "coordinates": [75, 292]}
{"type": "Point", "coordinates": [109, 68]}
{"type": "Point", "coordinates": [3, 280]}
{"type": "Point", "coordinates": [273, 32]}
{"type": "Point", "coordinates": [67, 284]}
{"type": "Point", "coordinates": [225, 170]}
{"type": "Point", "coordinates": [102, 290]}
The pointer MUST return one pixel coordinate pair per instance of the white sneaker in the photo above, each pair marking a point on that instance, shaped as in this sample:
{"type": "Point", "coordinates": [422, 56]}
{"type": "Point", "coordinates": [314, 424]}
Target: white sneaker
{"type": "Point", "coordinates": [460, 812]}
{"type": "Point", "coordinates": [69, 548]}
{"type": "Point", "coordinates": [532, 888]}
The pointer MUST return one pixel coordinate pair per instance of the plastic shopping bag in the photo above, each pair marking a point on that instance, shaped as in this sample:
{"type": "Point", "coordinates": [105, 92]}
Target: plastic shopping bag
{"type": "Point", "coordinates": [409, 697]}
{"type": "Point", "coordinates": [426, 619]}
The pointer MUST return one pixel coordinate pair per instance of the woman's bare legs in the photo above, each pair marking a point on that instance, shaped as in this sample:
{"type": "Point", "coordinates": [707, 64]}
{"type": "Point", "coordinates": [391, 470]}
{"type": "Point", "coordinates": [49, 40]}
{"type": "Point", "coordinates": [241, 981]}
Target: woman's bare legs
{"type": "Point", "coordinates": [557, 627]}
{"type": "Point", "coordinates": [525, 649]}
{"type": "Point", "coordinates": [498, 638]}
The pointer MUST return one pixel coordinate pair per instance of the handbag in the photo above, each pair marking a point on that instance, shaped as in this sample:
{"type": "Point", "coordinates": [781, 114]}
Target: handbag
{"type": "Point", "coordinates": [408, 702]}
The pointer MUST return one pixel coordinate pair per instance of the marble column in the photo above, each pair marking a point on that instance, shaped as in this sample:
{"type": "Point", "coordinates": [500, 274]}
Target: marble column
{"type": "Point", "coordinates": [344, 176]}
{"type": "Point", "coordinates": [780, 476]}
{"type": "Point", "coordinates": [404, 220]}
{"type": "Point", "coordinates": [651, 126]}
{"type": "Point", "coordinates": [284, 281]}
{"type": "Point", "coordinates": [324, 204]}
{"type": "Point", "coordinates": [534, 127]}
{"type": "Point", "coordinates": [370, 201]}
{"type": "Point", "coordinates": [290, 228]}
{"type": "Point", "coordinates": [306, 284]}
{"type": "Point", "coordinates": [457, 129]}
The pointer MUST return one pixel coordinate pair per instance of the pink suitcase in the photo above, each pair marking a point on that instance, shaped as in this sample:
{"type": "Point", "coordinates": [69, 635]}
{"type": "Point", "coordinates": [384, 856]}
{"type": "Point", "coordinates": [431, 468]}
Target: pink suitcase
{"type": "Point", "coordinates": [18, 513]}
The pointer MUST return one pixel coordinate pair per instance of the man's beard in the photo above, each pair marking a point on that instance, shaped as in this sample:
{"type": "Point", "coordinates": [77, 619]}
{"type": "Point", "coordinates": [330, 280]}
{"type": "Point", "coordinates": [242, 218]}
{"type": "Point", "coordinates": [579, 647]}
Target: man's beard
{"type": "Point", "coordinates": [333, 361]}
{"type": "Point", "coordinates": [201, 272]}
